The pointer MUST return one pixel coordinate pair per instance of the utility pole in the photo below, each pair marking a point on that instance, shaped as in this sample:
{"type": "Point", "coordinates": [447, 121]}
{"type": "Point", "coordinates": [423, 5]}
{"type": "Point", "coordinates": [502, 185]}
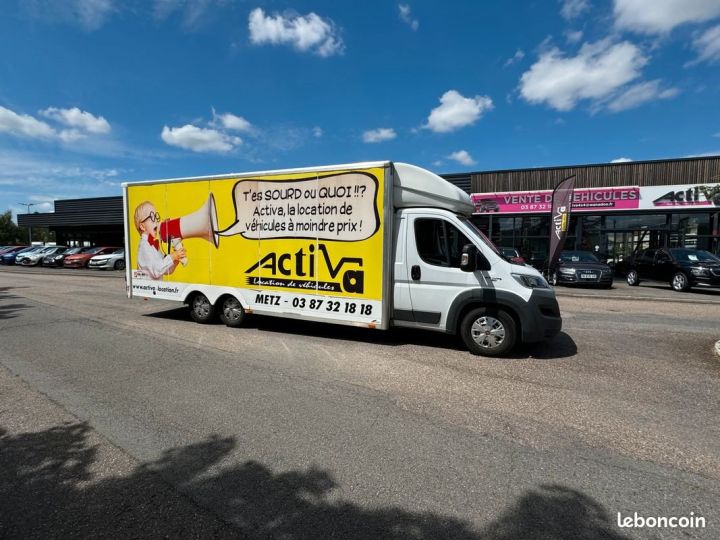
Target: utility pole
{"type": "Point", "coordinates": [29, 226]}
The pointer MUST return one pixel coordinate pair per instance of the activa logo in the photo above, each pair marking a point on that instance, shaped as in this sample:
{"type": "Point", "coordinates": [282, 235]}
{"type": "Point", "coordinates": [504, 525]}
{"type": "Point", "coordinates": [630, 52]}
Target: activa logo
{"type": "Point", "coordinates": [697, 195]}
{"type": "Point", "coordinates": [302, 264]}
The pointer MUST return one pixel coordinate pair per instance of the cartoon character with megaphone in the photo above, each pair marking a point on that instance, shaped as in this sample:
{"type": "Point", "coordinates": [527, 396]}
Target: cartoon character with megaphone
{"type": "Point", "coordinates": [153, 233]}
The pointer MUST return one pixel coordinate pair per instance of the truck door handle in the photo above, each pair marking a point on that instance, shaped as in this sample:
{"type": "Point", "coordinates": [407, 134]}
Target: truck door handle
{"type": "Point", "coordinates": [415, 272]}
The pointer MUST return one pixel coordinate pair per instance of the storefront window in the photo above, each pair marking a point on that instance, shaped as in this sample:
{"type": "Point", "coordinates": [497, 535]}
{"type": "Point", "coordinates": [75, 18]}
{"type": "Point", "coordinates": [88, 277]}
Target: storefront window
{"type": "Point", "coordinates": [635, 221]}
{"type": "Point", "coordinates": [691, 223]}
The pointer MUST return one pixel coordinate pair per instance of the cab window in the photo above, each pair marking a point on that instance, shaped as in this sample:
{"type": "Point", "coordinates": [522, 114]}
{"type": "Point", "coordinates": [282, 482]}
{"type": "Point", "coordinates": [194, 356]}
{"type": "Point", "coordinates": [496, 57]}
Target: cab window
{"type": "Point", "coordinates": [439, 243]}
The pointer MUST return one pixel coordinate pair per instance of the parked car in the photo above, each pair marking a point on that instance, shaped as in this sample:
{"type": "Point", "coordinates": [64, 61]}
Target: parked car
{"type": "Point", "coordinates": [512, 255]}
{"type": "Point", "coordinates": [34, 258]}
{"type": "Point", "coordinates": [682, 268]}
{"type": "Point", "coordinates": [112, 261]}
{"type": "Point", "coordinates": [81, 259]}
{"type": "Point", "coordinates": [57, 259]}
{"type": "Point", "coordinates": [581, 268]}
{"type": "Point", "coordinates": [9, 256]}
{"type": "Point", "coordinates": [10, 249]}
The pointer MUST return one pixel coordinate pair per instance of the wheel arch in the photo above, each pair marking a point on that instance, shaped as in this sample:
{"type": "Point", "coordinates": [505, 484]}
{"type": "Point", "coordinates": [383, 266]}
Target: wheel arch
{"type": "Point", "coordinates": [484, 298]}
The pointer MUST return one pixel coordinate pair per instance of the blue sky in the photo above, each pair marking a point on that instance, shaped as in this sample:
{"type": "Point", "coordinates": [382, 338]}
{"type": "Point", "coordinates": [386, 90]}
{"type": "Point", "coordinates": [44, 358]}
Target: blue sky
{"type": "Point", "coordinates": [97, 92]}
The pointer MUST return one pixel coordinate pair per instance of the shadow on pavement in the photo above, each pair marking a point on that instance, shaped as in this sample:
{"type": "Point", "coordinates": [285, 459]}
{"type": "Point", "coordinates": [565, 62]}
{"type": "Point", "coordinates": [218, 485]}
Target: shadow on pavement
{"type": "Point", "coordinates": [48, 490]}
{"type": "Point", "coordinates": [561, 346]}
{"type": "Point", "coordinates": [9, 311]}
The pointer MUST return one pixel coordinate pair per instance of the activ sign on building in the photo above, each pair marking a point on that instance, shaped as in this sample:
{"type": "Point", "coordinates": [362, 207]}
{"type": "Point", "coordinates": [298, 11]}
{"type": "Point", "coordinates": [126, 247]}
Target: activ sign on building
{"type": "Point", "coordinates": [287, 239]}
{"type": "Point", "coordinates": [628, 198]}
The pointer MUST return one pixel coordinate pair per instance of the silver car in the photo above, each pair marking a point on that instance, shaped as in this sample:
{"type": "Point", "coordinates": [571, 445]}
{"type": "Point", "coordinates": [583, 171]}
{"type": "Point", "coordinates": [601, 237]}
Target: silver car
{"type": "Point", "coordinates": [35, 257]}
{"type": "Point", "coordinates": [111, 261]}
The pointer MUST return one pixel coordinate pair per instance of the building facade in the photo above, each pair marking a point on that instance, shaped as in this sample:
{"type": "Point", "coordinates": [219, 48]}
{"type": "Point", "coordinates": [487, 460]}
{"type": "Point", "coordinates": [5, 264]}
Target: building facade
{"type": "Point", "coordinates": [617, 208]}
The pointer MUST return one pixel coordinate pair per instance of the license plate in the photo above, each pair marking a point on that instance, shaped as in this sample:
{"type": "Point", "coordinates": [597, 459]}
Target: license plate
{"type": "Point", "coordinates": [588, 276]}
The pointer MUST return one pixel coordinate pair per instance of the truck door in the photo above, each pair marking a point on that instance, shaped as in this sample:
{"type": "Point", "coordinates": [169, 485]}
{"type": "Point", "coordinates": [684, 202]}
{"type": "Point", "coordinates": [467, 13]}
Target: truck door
{"type": "Point", "coordinates": [434, 248]}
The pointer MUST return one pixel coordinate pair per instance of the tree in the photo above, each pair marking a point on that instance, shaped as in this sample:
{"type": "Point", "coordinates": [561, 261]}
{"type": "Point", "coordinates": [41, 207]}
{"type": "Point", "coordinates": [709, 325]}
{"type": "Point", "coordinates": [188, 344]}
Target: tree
{"type": "Point", "coordinates": [10, 233]}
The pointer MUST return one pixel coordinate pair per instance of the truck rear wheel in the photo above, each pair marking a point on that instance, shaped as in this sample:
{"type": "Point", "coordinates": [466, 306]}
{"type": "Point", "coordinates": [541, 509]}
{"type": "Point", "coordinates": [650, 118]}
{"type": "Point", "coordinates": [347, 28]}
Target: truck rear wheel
{"type": "Point", "coordinates": [201, 310]}
{"type": "Point", "coordinates": [231, 312]}
{"type": "Point", "coordinates": [488, 332]}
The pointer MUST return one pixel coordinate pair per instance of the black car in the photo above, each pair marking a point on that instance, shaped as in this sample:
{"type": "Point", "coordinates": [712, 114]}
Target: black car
{"type": "Point", "coordinates": [57, 259]}
{"type": "Point", "coordinates": [682, 268]}
{"type": "Point", "coordinates": [581, 268]}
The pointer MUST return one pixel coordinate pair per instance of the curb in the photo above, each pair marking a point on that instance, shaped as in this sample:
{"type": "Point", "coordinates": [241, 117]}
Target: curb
{"type": "Point", "coordinates": [717, 347]}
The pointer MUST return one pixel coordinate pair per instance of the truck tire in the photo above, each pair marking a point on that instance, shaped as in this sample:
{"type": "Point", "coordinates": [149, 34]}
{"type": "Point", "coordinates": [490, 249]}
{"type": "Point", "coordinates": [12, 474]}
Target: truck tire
{"type": "Point", "coordinates": [231, 312]}
{"type": "Point", "coordinates": [488, 331]}
{"type": "Point", "coordinates": [201, 310]}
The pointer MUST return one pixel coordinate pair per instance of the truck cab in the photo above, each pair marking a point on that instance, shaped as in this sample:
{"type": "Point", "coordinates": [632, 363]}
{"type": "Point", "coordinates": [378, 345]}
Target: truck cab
{"type": "Point", "coordinates": [449, 277]}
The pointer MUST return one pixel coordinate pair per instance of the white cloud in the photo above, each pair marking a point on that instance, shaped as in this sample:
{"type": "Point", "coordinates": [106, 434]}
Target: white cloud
{"type": "Point", "coordinates": [191, 11]}
{"type": "Point", "coordinates": [89, 14]}
{"type": "Point", "coordinates": [304, 32]}
{"type": "Point", "coordinates": [80, 124]}
{"type": "Point", "coordinates": [661, 16]}
{"type": "Point", "coordinates": [93, 13]}
{"type": "Point", "coordinates": [621, 160]}
{"type": "Point", "coordinates": [519, 55]}
{"type": "Point", "coordinates": [456, 111]}
{"type": "Point", "coordinates": [462, 157]}
{"type": "Point", "coordinates": [708, 46]}
{"type": "Point", "coordinates": [379, 135]}
{"type": "Point", "coordinates": [24, 125]}
{"type": "Point", "coordinates": [573, 37]}
{"type": "Point", "coordinates": [716, 134]}
{"type": "Point", "coordinates": [640, 93]}
{"type": "Point", "coordinates": [572, 9]}
{"type": "Point", "coordinates": [406, 16]}
{"type": "Point", "coordinates": [75, 118]}
{"type": "Point", "coordinates": [199, 139]}
{"type": "Point", "coordinates": [317, 131]}
{"type": "Point", "coordinates": [231, 121]}
{"type": "Point", "coordinates": [597, 72]}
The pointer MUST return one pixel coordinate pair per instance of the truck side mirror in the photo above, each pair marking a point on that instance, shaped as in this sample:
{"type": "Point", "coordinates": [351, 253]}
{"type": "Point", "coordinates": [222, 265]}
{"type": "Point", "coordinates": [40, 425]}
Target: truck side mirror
{"type": "Point", "coordinates": [472, 260]}
{"type": "Point", "coordinates": [468, 259]}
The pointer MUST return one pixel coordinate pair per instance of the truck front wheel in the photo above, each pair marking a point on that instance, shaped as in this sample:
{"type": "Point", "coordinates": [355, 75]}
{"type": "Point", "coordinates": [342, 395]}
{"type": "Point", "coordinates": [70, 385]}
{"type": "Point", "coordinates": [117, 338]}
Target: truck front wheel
{"type": "Point", "coordinates": [232, 312]}
{"type": "Point", "coordinates": [488, 331]}
{"type": "Point", "coordinates": [201, 310]}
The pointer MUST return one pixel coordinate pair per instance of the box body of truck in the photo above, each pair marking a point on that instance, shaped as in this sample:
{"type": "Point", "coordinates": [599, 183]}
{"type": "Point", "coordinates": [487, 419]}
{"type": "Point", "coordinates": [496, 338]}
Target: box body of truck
{"type": "Point", "coordinates": [310, 243]}
{"type": "Point", "coordinates": [369, 244]}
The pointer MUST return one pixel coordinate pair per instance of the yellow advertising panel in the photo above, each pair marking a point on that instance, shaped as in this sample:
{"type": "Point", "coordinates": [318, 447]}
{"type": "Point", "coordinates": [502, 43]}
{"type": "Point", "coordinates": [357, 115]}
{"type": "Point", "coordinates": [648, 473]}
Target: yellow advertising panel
{"type": "Point", "coordinates": [307, 243]}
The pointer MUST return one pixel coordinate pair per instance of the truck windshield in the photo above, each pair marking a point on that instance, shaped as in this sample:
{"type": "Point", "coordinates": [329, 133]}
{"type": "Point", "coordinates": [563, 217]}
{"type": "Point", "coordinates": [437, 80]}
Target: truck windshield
{"type": "Point", "coordinates": [481, 235]}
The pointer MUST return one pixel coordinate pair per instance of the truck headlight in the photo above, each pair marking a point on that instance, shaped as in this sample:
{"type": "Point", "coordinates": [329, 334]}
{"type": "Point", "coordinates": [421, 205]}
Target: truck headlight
{"type": "Point", "coordinates": [699, 271]}
{"type": "Point", "coordinates": [531, 282]}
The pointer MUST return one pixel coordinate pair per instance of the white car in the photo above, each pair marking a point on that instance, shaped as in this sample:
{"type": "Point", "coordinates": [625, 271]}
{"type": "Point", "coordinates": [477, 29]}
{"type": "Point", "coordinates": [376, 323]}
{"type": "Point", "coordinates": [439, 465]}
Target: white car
{"type": "Point", "coordinates": [112, 261]}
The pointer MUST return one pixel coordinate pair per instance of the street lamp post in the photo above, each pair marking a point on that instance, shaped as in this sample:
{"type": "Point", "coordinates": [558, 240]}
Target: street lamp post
{"type": "Point", "coordinates": [29, 226]}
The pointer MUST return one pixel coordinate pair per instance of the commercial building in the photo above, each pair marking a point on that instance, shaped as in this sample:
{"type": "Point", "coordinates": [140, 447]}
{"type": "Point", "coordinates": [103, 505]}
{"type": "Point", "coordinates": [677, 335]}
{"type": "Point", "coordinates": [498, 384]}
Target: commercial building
{"type": "Point", "coordinates": [81, 222]}
{"type": "Point", "coordinates": [618, 207]}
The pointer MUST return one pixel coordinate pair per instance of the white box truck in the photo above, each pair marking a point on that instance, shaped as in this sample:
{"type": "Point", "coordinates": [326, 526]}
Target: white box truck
{"type": "Point", "coordinates": [367, 244]}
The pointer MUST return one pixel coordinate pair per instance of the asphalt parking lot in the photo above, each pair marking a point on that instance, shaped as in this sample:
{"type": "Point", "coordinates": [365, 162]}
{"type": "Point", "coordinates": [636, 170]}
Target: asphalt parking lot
{"type": "Point", "coordinates": [122, 417]}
